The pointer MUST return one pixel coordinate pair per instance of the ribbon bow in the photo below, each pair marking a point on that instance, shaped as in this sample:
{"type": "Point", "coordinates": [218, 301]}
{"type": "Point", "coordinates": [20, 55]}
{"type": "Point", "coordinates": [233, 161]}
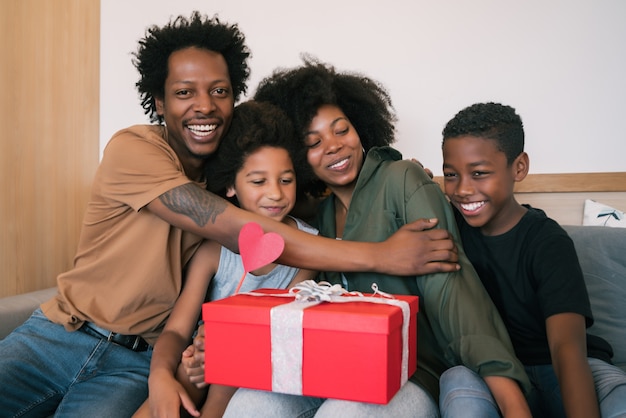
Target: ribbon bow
{"type": "Point", "coordinates": [310, 290]}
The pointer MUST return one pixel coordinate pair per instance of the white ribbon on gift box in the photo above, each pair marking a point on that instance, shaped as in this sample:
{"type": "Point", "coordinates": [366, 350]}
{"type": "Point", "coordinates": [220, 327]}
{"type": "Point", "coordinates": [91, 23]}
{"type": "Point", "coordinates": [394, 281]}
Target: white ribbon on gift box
{"type": "Point", "coordinates": [286, 329]}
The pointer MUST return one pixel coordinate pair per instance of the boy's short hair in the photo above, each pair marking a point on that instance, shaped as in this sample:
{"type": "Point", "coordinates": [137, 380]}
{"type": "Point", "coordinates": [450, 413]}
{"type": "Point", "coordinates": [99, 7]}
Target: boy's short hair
{"type": "Point", "coordinates": [491, 121]}
{"type": "Point", "coordinates": [152, 56]}
{"type": "Point", "coordinates": [254, 125]}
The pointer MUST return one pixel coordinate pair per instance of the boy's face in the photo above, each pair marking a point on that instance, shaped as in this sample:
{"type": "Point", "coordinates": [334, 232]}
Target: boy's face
{"type": "Point", "coordinates": [266, 183]}
{"type": "Point", "coordinates": [334, 151]}
{"type": "Point", "coordinates": [198, 103]}
{"type": "Point", "coordinates": [479, 183]}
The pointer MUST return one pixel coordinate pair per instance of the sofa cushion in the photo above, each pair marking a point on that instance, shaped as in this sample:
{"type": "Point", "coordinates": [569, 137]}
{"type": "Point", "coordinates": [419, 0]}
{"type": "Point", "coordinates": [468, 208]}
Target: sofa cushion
{"type": "Point", "coordinates": [602, 256]}
{"type": "Point", "coordinates": [16, 309]}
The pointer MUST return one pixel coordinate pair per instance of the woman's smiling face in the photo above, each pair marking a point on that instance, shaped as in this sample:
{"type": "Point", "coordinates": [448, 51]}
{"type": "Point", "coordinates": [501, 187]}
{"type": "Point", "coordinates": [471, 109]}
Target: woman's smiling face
{"type": "Point", "coordinates": [334, 151]}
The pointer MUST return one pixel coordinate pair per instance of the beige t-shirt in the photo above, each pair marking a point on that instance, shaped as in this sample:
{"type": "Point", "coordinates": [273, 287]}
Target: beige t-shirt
{"type": "Point", "coordinates": [128, 267]}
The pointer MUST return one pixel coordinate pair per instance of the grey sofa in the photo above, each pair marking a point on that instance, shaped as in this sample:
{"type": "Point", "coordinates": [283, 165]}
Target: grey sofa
{"type": "Point", "coordinates": [602, 253]}
{"type": "Point", "coordinates": [16, 309]}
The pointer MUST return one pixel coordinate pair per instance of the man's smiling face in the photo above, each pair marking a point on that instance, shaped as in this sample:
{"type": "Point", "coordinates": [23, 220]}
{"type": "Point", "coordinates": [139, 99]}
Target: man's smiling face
{"type": "Point", "coordinates": [198, 103]}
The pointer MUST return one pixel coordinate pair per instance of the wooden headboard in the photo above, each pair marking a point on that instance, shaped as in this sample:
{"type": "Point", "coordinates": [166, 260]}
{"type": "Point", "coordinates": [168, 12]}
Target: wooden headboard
{"type": "Point", "coordinates": [562, 196]}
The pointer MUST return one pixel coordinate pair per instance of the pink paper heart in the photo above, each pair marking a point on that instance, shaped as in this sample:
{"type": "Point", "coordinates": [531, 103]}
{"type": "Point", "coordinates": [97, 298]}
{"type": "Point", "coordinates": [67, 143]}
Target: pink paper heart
{"type": "Point", "coordinates": [258, 249]}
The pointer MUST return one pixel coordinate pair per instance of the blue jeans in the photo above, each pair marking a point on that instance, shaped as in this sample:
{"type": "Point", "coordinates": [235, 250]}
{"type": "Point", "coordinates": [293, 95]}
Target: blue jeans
{"type": "Point", "coordinates": [544, 398]}
{"type": "Point", "coordinates": [464, 393]}
{"type": "Point", "coordinates": [410, 401]}
{"type": "Point", "coordinates": [462, 389]}
{"type": "Point", "coordinates": [610, 382]}
{"type": "Point", "coordinates": [44, 369]}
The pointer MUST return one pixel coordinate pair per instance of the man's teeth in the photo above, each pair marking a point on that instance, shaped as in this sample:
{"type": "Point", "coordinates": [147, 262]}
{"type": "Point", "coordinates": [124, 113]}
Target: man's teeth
{"type": "Point", "coordinates": [202, 130]}
{"type": "Point", "coordinates": [472, 206]}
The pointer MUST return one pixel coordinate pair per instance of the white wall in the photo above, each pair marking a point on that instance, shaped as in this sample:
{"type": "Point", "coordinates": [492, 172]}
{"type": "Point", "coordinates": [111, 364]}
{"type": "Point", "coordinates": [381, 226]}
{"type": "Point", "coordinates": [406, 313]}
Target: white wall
{"type": "Point", "coordinates": [561, 64]}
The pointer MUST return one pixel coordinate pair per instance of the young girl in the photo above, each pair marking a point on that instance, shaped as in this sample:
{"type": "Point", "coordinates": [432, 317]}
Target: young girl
{"type": "Point", "coordinates": [255, 167]}
{"type": "Point", "coordinates": [344, 122]}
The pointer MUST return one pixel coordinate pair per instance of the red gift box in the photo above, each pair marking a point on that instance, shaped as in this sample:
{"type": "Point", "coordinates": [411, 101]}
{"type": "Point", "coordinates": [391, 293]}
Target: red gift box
{"type": "Point", "coordinates": [349, 350]}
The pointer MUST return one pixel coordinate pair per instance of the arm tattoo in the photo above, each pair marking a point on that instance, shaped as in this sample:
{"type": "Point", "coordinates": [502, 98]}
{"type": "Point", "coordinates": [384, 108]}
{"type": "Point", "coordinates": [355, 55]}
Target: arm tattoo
{"type": "Point", "coordinates": [194, 202]}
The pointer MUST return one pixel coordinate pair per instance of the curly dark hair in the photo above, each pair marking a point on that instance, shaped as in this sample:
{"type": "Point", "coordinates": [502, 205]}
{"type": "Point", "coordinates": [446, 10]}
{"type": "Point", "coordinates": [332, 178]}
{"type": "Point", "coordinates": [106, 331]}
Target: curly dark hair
{"type": "Point", "coordinates": [254, 125]}
{"type": "Point", "coordinates": [152, 55]}
{"type": "Point", "coordinates": [301, 91]}
{"type": "Point", "coordinates": [492, 121]}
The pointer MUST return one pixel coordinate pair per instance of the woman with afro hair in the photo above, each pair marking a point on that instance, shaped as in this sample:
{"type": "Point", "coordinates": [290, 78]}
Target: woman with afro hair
{"type": "Point", "coordinates": [345, 123]}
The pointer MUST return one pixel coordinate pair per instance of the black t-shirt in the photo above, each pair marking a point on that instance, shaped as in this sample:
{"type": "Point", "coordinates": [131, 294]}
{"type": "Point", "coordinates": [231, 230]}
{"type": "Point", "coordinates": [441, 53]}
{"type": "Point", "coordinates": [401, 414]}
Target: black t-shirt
{"type": "Point", "coordinates": [531, 273]}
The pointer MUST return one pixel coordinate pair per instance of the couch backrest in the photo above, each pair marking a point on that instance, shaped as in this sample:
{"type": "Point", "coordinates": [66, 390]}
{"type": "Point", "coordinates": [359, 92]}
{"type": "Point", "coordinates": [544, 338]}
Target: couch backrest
{"type": "Point", "coordinates": [602, 255]}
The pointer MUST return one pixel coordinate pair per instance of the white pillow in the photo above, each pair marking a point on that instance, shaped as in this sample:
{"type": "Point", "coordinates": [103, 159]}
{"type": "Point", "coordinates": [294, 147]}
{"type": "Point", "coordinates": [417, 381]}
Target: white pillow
{"type": "Point", "coordinates": [596, 213]}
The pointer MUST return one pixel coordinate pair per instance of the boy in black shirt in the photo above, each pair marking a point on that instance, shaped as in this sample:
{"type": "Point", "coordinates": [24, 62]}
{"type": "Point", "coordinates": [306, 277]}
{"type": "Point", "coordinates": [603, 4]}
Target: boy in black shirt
{"type": "Point", "coordinates": [529, 266]}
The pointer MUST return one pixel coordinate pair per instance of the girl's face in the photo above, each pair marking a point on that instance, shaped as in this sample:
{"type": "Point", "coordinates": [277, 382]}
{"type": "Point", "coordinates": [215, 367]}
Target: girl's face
{"type": "Point", "coordinates": [266, 183]}
{"type": "Point", "coordinates": [334, 151]}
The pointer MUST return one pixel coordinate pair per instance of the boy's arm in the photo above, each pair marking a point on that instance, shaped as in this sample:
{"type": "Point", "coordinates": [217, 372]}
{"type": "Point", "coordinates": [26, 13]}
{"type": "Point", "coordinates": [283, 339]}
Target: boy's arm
{"type": "Point", "coordinates": [166, 393]}
{"type": "Point", "coordinates": [508, 396]}
{"type": "Point", "coordinates": [568, 349]}
{"type": "Point", "coordinates": [410, 251]}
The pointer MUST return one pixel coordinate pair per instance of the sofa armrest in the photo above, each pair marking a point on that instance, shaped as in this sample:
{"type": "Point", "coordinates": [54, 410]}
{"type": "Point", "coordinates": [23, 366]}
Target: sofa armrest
{"type": "Point", "coordinates": [14, 310]}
